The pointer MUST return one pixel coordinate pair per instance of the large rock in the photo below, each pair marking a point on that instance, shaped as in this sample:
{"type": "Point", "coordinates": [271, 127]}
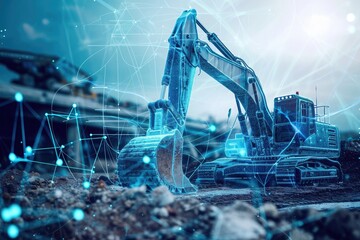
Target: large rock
{"type": "Point", "coordinates": [270, 210]}
{"type": "Point", "coordinates": [161, 196]}
{"type": "Point", "coordinates": [239, 221]}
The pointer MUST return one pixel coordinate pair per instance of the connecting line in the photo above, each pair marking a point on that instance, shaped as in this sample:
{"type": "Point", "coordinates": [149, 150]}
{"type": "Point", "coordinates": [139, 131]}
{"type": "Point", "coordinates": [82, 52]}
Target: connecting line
{"type": "Point", "coordinates": [77, 123]}
{"type": "Point", "coordinates": [38, 135]}
{"type": "Point", "coordinates": [267, 175]}
{"type": "Point", "coordinates": [108, 6]}
{"type": "Point", "coordinates": [80, 140]}
{"type": "Point", "coordinates": [105, 169]}
{"type": "Point", "coordinates": [204, 157]}
{"type": "Point", "coordinates": [292, 125]}
{"type": "Point", "coordinates": [207, 144]}
{"type": "Point", "coordinates": [67, 165]}
{"type": "Point", "coordinates": [53, 141]}
{"type": "Point", "coordinates": [220, 149]}
{"type": "Point", "coordinates": [281, 158]}
{"type": "Point", "coordinates": [89, 139]}
{"type": "Point", "coordinates": [14, 129]}
{"type": "Point", "coordinates": [33, 112]}
{"type": "Point", "coordinates": [96, 157]}
{"type": "Point", "coordinates": [36, 143]}
{"type": "Point", "coordinates": [51, 134]}
{"type": "Point", "coordinates": [187, 165]}
{"type": "Point", "coordinates": [208, 153]}
{"type": "Point", "coordinates": [201, 162]}
{"type": "Point", "coordinates": [114, 134]}
{"type": "Point", "coordinates": [6, 103]}
{"type": "Point", "coordinates": [53, 176]}
{"type": "Point", "coordinates": [49, 164]}
{"type": "Point", "coordinates": [68, 117]}
{"type": "Point", "coordinates": [112, 148]}
{"type": "Point", "coordinates": [58, 115]}
{"type": "Point", "coordinates": [287, 146]}
{"type": "Point", "coordinates": [46, 148]}
{"type": "Point", "coordinates": [22, 126]}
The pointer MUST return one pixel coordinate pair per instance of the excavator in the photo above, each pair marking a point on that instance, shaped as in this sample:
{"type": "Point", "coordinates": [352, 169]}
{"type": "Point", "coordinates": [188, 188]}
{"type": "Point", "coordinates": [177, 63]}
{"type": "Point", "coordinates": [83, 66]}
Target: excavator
{"type": "Point", "coordinates": [286, 147]}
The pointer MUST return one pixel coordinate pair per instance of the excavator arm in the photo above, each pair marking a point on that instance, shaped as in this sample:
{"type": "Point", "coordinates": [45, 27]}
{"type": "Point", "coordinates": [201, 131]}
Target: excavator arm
{"type": "Point", "coordinates": [245, 86]}
{"type": "Point", "coordinates": [156, 159]}
{"type": "Point", "coordinates": [178, 75]}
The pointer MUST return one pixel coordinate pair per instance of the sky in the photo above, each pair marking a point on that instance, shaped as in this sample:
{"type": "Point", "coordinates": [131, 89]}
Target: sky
{"type": "Point", "coordinates": [297, 45]}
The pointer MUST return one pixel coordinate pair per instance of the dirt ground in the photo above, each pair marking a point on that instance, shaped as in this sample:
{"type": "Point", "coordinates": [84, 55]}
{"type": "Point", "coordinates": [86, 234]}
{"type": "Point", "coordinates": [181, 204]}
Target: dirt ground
{"type": "Point", "coordinates": [63, 209]}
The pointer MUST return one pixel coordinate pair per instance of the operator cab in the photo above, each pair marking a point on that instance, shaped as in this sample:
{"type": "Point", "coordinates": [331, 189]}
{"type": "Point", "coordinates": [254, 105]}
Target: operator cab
{"type": "Point", "coordinates": [294, 119]}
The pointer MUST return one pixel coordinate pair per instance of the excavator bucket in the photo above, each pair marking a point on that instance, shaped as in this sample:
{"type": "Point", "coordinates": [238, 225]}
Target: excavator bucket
{"type": "Point", "coordinates": [154, 160]}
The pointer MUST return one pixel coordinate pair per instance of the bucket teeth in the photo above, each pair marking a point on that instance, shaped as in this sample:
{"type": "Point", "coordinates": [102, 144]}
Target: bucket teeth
{"type": "Point", "coordinates": [154, 161]}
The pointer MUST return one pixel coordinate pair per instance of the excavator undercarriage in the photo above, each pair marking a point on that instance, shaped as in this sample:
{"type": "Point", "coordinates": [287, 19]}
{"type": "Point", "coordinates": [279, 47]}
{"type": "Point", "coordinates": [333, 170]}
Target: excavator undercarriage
{"type": "Point", "coordinates": [282, 171]}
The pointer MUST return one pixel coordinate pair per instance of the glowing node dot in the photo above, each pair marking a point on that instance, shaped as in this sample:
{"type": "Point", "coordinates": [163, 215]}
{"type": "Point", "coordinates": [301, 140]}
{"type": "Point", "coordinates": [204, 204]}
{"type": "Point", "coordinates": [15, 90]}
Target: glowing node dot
{"type": "Point", "coordinates": [78, 214]}
{"type": "Point", "coordinates": [212, 128]}
{"type": "Point", "coordinates": [6, 215]}
{"type": "Point", "coordinates": [90, 134]}
{"type": "Point", "coordinates": [67, 118]}
{"type": "Point", "coordinates": [146, 159]}
{"type": "Point", "coordinates": [350, 17]}
{"type": "Point", "coordinates": [86, 184]}
{"type": "Point", "coordinates": [13, 231]}
{"type": "Point", "coordinates": [59, 162]}
{"type": "Point", "coordinates": [46, 114]}
{"type": "Point", "coordinates": [12, 157]}
{"type": "Point", "coordinates": [104, 137]}
{"type": "Point", "coordinates": [19, 97]}
{"type": "Point", "coordinates": [15, 210]}
{"type": "Point", "coordinates": [62, 147]}
{"type": "Point", "coordinates": [74, 105]}
{"type": "Point", "coordinates": [28, 150]}
{"type": "Point", "coordinates": [12, 212]}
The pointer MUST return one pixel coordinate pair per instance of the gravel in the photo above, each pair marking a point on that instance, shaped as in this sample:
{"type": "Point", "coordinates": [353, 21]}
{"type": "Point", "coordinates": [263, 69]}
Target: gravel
{"type": "Point", "coordinates": [63, 209]}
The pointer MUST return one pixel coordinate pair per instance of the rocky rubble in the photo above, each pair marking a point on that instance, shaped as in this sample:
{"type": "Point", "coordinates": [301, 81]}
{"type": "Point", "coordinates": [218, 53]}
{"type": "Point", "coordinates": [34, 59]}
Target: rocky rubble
{"type": "Point", "coordinates": [63, 209]}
